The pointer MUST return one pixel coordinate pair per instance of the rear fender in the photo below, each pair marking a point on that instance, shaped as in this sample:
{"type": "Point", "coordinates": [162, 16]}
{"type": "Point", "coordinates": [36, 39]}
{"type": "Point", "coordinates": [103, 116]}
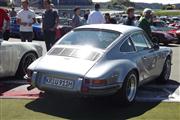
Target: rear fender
{"type": "Point", "coordinates": [115, 70]}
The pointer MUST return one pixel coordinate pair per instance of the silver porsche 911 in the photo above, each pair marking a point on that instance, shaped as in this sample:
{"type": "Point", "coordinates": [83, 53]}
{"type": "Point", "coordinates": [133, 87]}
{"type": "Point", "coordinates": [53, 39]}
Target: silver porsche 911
{"type": "Point", "coordinates": [15, 57]}
{"type": "Point", "coordinates": [101, 60]}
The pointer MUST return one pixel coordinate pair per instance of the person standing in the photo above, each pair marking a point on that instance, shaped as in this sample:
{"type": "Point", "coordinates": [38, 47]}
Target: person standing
{"type": "Point", "coordinates": [3, 17]}
{"type": "Point", "coordinates": [130, 20]}
{"type": "Point", "coordinates": [109, 20]}
{"type": "Point", "coordinates": [25, 18]}
{"type": "Point", "coordinates": [145, 21]}
{"type": "Point", "coordinates": [50, 21]}
{"type": "Point", "coordinates": [96, 17]}
{"type": "Point", "coordinates": [13, 12]}
{"type": "Point", "coordinates": [86, 14]}
{"type": "Point", "coordinates": [6, 28]}
{"type": "Point", "coordinates": [76, 20]}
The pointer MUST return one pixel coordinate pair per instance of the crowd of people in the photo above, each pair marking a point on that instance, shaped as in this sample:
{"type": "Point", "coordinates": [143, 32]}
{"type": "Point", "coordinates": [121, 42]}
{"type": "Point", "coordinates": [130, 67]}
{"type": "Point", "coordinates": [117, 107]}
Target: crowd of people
{"type": "Point", "coordinates": [50, 20]}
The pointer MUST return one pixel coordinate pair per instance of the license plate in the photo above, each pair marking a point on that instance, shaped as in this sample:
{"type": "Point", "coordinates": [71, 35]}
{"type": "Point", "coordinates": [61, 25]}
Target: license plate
{"type": "Point", "coordinates": [58, 82]}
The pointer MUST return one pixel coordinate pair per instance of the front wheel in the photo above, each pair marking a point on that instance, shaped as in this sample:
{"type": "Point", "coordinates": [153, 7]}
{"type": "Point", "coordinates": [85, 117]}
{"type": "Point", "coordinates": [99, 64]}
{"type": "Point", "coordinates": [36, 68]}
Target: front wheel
{"type": "Point", "coordinates": [164, 77]}
{"type": "Point", "coordinates": [26, 60]}
{"type": "Point", "coordinates": [128, 91]}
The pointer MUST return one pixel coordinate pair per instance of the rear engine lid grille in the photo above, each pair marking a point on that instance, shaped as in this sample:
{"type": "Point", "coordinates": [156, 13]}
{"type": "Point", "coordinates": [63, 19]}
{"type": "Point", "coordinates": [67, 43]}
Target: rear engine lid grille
{"type": "Point", "coordinates": [75, 53]}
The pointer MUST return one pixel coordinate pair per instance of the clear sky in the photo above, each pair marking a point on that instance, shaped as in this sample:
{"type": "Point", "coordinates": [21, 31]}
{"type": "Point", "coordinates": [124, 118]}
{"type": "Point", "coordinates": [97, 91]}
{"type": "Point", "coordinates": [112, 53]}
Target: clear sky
{"type": "Point", "coordinates": [157, 1]}
{"type": "Point", "coordinates": [148, 1]}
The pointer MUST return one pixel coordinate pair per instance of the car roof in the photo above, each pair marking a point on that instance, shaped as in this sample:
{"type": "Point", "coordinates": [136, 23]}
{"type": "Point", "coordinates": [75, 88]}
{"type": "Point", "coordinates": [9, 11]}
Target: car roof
{"type": "Point", "coordinates": [114, 27]}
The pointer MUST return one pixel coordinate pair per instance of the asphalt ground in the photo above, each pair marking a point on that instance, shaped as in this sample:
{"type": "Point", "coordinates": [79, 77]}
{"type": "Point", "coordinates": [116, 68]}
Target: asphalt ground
{"type": "Point", "coordinates": [170, 92]}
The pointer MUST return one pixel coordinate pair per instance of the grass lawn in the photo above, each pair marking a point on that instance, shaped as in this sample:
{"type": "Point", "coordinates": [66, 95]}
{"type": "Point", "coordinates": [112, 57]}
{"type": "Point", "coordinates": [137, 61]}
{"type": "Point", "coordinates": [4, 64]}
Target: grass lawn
{"type": "Point", "coordinates": [58, 109]}
{"type": "Point", "coordinates": [167, 12]}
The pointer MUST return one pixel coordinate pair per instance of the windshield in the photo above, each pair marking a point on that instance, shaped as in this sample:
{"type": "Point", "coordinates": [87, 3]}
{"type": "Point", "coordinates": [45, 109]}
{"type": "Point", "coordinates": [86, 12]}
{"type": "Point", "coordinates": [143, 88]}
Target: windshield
{"type": "Point", "coordinates": [90, 37]}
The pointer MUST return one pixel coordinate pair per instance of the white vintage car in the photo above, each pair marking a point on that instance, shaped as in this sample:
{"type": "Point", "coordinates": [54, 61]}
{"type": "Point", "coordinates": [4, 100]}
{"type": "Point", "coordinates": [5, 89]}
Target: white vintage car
{"type": "Point", "coordinates": [15, 57]}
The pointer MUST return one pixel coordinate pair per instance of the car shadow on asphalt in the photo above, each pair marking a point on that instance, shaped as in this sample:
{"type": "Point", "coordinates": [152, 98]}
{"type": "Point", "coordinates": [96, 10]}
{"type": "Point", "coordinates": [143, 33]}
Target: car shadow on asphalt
{"type": "Point", "coordinates": [154, 91]}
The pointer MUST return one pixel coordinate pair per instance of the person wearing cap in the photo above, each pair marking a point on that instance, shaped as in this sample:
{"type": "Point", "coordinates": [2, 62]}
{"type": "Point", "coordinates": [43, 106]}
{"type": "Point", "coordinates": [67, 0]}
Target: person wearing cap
{"type": "Point", "coordinates": [96, 17]}
{"type": "Point", "coordinates": [3, 17]}
{"type": "Point", "coordinates": [145, 21]}
{"type": "Point", "coordinates": [76, 20]}
{"type": "Point", "coordinates": [50, 21]}
{"type": "Point", "coordinates": [25, 18]}
{"type": "Point", "coordinates": [130, 20]}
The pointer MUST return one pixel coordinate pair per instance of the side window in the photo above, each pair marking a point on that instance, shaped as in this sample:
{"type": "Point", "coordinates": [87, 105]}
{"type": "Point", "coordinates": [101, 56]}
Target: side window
{"type": "Point", "coordinates": [127, 46]}
{"type": "Point", "coordinates": [139, 41]}
{"type": "Point", "coordinates": [148, 40]}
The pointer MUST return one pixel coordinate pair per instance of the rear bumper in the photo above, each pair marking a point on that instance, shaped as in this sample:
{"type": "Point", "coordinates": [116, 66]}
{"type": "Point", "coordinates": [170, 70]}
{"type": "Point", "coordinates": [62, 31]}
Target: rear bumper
{"type": "Point", "coordinates": [77, 88]}
{"type": "Point", "coordinates": [92, 91]}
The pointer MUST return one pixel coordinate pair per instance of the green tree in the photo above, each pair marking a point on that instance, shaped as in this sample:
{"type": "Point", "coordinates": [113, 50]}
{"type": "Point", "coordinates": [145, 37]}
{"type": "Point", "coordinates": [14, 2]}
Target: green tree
{"type": "Point", "coordinates": [123, 2]}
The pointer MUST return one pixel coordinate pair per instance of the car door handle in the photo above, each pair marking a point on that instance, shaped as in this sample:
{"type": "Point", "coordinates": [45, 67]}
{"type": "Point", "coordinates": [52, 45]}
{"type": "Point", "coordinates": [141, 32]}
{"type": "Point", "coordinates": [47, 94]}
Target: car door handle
{"type": "Point", "coordinates": [145, 58]}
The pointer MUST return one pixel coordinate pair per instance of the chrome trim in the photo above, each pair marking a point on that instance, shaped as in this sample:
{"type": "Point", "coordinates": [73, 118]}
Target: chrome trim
{"type": "Point", "coordinates": [107, 86]}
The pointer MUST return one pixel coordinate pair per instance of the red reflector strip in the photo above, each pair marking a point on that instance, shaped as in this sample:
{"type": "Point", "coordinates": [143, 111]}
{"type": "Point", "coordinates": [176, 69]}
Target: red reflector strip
{"type": "Point", "coordinates": [99, 82]}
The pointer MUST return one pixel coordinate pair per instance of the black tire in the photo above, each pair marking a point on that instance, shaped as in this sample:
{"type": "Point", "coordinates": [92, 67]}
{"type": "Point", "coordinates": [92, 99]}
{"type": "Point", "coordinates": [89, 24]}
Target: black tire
{"type": "Point", "coordinates": [127, 95]}
{"type": "Point", "coordinates": [165, 74]}
{"type": "Point", "coordinates": [26, 60]}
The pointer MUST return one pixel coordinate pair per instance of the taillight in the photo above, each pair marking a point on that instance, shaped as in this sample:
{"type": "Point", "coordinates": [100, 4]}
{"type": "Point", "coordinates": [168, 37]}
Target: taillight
{"type": "Point", "coordinates": [93, 83]}
{"type": "Point", "coordinates": [85, 86]}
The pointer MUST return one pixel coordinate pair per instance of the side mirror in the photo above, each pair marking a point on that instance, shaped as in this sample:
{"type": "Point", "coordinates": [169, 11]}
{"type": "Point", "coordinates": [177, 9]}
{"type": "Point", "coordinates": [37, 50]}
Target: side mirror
{"type": "Point", "coordinates": [156, 46]}
{"type": "Point", "coordinates": [155, 40]}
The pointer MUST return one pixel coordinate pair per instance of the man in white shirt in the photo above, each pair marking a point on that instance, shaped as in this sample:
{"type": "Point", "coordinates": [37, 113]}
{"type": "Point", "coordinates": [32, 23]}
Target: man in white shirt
{"type": "Point", "coordinates": [96, 17]}
{"type": "Point", "coordinates": [25, 18]}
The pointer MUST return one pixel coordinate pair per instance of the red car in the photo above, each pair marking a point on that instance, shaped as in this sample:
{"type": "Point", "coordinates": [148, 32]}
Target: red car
{"type": "Point", "coordinates": [164, 33]}
{"type": "Point", "coordinates": [175, 24]}
{"type": "Point", "coordinates": [178, 34]}
{"type": "Point", "coordinates": [164, 37]}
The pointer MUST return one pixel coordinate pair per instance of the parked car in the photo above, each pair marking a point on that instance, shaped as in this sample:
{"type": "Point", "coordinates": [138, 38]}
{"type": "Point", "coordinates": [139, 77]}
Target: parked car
{"type": "Point", "coordinates": [160, 25]}
{"type": "Point", "coordinates": [165, 36]}
{"type": "Point", "coordinates": [100, 60]}
{"type": "Point", "coordinates": [178, 34]}
{"type": "Point", "coordinates": [175, 24]}
{"type": "Point", "coordinates": [15, 57]}
{"type": "Point", "coordinates": [38, 35]}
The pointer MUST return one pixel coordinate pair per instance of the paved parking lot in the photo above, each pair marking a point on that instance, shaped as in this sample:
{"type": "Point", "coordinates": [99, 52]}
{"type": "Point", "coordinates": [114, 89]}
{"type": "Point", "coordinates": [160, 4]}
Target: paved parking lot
{"type": "Point", "coordinates": [150, 92]}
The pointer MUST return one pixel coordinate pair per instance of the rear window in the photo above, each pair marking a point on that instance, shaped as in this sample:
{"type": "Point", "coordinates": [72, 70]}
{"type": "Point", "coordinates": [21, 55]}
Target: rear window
{"type": "Point", "coordinates": [91, 37]}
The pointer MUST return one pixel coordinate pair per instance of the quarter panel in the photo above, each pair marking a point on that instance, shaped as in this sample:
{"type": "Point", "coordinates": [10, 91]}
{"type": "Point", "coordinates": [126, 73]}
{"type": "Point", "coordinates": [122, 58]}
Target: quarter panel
{"type": "Point", "coordinates": [115, 70]}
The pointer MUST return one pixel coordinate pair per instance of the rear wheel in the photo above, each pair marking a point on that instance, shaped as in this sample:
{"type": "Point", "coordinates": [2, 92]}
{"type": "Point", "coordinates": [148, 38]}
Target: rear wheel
{"type": "Point", "coordinates": [128, 91]}
{"type": "Point", "coordinates": [164, 77]}
{"type": "Point", "coordinates": [26, 60]}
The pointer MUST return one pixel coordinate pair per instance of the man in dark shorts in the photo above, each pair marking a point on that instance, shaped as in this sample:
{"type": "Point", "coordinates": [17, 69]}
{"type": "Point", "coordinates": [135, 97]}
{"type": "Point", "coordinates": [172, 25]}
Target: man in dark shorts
{"type": "Point", "coordinates": [49, 24]}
